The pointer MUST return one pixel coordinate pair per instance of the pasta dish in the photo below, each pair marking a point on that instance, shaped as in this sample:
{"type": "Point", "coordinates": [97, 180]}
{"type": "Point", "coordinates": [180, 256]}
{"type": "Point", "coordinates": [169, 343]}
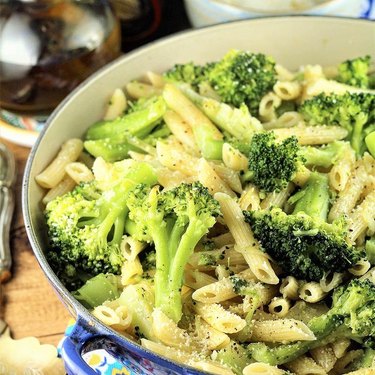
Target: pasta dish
{"type": "Point", "coordinates": [223, 215]}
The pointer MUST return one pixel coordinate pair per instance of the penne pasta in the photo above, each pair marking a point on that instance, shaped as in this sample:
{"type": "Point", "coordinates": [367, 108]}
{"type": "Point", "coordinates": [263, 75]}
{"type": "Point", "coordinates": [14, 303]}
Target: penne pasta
{"type": "Point", "coordinates": [245, 241]}
{"type": "Point", "coordinates": [219, 318]}
{"type": "Point", "coordinates": [312, 135]}
{"type": "Point", "coordinates": [281, 330]}
{"type": "Point", "coordinates": [116, 106]}
{"type": "Point", "coordinates": [55, 171]}
{"type": "Point", "coordinates": [259, 368]}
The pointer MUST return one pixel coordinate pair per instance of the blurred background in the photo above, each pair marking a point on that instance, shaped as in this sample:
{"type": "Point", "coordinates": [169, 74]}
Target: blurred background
{"type": "Point", "coordinates": [47, 47]}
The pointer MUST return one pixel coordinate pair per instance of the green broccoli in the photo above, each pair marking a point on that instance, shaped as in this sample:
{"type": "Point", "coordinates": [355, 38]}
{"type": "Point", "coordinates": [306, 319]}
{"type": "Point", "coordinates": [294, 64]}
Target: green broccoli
{"type": "Point", "coordinates": [243, 77]}
{"type": "Point", "coordinates": [175, 221]}
{"type": "Point", "coordinates": [273, 164]}
{"type": "Point", "coordinates": [353, 111]}
{"type": "Point", "coordinates": [352, 315]}
{"type": "Point", "coordinates": [113, 139]}
{"type": "Point", "coordinates": [303, 243]}
{"type": "Point", "coordinates": [236, 121]}
{"type": "Point", "coordinates": [240, 77]}
{"type": "Point", "coordinates": [189, 73]}
{"type": "Point", "coordinates": [355, 72]}
{"type": "Point", "coordinates": [85, 226]}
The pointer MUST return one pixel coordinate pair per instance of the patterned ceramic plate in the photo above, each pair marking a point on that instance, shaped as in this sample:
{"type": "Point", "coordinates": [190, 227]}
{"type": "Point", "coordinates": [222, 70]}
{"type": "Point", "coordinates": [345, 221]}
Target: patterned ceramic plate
{"type": "Point", "coordinates": [22, 130]}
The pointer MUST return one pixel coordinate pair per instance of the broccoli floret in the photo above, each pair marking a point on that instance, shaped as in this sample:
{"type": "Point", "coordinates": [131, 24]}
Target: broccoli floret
{"type": "Point", "coordinates": [85, 226]}
{"type": "Point", "coordinates": [353, 111]}
{"type": "Point", "coordinates": [243, 77]}
{"type": "Point", "coordinates": [303, 243]}
{"type": "Point", "coordinates": [352, 315]}
{"type": "Point", "coordinates": [355, 72]}
{"type": "Point", "coordinates": [189, 73]}
{"type": "Point", "coordinates": [240, 77]}
{"type": "Point", "coordinates": [113, 139]}
{"type": "Point", "coordinates": [175, 221]}
{"type": "Point", "coordinates": [273, 164]}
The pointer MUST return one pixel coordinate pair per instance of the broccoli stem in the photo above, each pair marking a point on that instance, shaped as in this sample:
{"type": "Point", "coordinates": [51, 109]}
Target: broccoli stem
{"type": "Point", "coordinates": [138, 123]}
{"type": "Point", "coordinates": [370, 143]}
{"type": "Point", "coordinates": [98, 289]}
{"type": "Point", "coordinates": [169, 298]}
{"type": "Point", "coordinates": [357, 137]}
{"type": "Point", "coordinates": [323, 156]}
{"type": "Point", "coordinates": [110, 149]}
{"type": "Point", "coordinates": [313, 199]}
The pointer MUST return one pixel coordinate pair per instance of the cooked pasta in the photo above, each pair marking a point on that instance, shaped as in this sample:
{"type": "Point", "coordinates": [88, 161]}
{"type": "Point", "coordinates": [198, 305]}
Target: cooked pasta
{"type": "Point", "coordinates": [55, 171]}
{"type": "Point", "coordinates": [116, 106]}
{"type": "Point", "coordinates": [282, 330]}
{"type": "Point", "coordinates": [211, 248]}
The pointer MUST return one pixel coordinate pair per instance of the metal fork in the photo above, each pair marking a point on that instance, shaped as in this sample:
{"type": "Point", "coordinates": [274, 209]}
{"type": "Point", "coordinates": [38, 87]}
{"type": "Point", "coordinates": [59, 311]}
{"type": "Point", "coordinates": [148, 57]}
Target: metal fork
{"type": "Point", "coordinates": [7, 178]}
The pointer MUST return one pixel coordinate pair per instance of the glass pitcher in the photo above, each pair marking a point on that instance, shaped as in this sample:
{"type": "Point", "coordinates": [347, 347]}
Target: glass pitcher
{"type": "Point", "coordinates": [47, 47]}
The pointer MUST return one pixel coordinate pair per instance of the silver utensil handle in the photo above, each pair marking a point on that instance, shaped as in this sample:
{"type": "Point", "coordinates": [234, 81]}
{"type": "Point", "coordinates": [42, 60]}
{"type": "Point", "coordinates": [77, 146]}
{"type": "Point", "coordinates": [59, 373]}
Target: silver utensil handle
{"type": "Point", "coordinates": [6, 213]}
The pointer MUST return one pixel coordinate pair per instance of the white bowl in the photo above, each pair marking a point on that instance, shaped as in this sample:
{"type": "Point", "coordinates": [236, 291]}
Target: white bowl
{"type": "Point", "coordinates": [319, 40]}
{"type": "Point", "coordinates": [209, 12]}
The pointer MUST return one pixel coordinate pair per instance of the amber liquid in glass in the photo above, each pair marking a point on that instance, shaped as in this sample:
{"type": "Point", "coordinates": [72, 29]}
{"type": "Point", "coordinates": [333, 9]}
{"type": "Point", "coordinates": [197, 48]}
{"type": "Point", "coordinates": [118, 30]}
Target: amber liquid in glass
{"type": "Point", "coordinates": [47, 47]}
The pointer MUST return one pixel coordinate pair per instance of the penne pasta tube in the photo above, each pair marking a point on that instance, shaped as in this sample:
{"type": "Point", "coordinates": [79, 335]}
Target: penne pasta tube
{"type": "Point", "coordinates": [286, 120]}
{"type": "Point", "coordinates": [246, 244]}
{"type": "Point", "coordinates": [343, 364]}
{"type": "Point", "coordinates": [116, 106]}
{"type": "Point", "coordinates": [219, 318]}
{"type": "Point", "coordinates": [155, 79]}
{"type": "Point", "coordinates": [167, 331]}
{"type": "Point", "coordinates": [281, 330]}
{"type": "Point", "coordinates": [131, 271]}
{"type": "Point", "coordinates": [268, 105]}
{"type": "Point", "coordinates": [363, 217]}
{"type": "Point", "coordinates": [305, 366]}
{"type": "Point", "coordinates": [311, 292]}
{"type": "Point", "coordinates": [340, 346]}
{"type": "Point", "coordinates": [331, 281]}
{"type": "Point", "coordinates": [360, 268]}
{"type": "Point", "coordinates": [229, 176]}
{"type": "Point", "coordinates": [234, 159]}
{"type": "Point", "coordinates": [211, 367]}
{"type": "Point", "coordinates": [64, 186]}
{"type": "Point", "coordinates": [180, 355]}
{"type": "Point", "coordinates": [209, 337]}
{"type": "Point", "coordinates": [289, 288]}
{"type": "Point", "coordinates": [279, 306]}
{"type": "Point", "coordinates": [324, 356]}
{"type": "Point", "coordinates": [339, 174]}
{"type": "Point", "coordinates": [250, 199]}
{"type": "Point", "coordinates": [277, 199]}
{"type": "Point", "coordinates": [139, 90]}
{"type": "Point", "coordinates": [312, 135]}
{"type": "Point", "coordinates": [55, 171]}
{"type": "Point", "coordinates": [180, 129]}
{"type": "Point", "coordinates": [349, 196]}
{"type": "Point", "coordinates": [130, 247]}
{"type": "Point", "coordinates": [196, 279]}
{"type": "Point", "coordinates": [211, 180]}
{"type": "Point", "coordinates": [259, 368]}
{"type": "Point", "coordinates": [283, 74]}
{"type": "Point", "coordinates": [287, 90]}
{"type": "Point", "coordinates": [79, 172]}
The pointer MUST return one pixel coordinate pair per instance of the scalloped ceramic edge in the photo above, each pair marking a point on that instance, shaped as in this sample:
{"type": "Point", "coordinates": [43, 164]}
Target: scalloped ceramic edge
{"type": "Point", "coordinates": [292, 41]}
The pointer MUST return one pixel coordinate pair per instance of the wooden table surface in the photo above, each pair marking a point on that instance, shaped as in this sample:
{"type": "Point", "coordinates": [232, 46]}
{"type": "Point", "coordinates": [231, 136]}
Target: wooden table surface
{"type": "Point", "coordinates": [30, 307]}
